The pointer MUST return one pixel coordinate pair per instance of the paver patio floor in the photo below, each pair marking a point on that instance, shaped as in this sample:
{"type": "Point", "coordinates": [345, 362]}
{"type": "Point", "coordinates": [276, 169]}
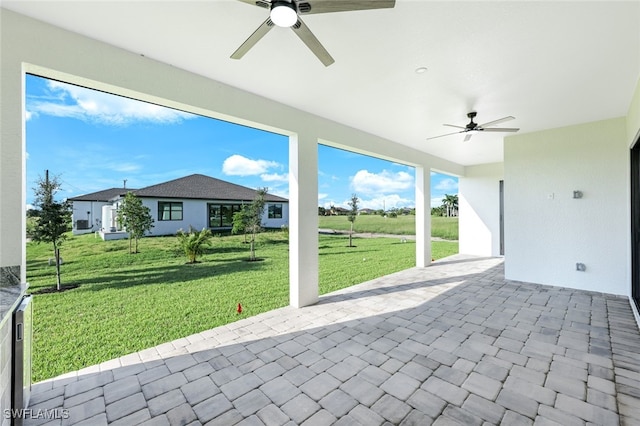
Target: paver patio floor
{"type": "Point", "coordinates": [450, 344]}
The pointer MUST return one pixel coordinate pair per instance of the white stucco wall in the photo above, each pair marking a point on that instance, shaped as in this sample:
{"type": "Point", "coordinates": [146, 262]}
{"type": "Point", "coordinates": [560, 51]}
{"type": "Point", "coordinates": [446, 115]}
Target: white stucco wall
{"type": "Point", "coordinates": [479, 209]}
{"type": "Point", "coordinates": [80, 209]}
{"type": "Point", "coordinates": [276, 223]}
{"type": "Point", "coordinates": [195, 214]}
{"type": "Point", "coordinates": [633, 117]}
{"type": "Point", "coordinates": [546, 230]}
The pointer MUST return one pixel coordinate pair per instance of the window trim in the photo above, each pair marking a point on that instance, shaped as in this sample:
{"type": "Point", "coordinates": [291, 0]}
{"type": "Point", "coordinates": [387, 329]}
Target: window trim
{"type": "Point", "coordinates": [235, 208]}
{"type": "Point", "coordinates": [172, 211]}
{"type": "Point", "coordinates": [273, 208]}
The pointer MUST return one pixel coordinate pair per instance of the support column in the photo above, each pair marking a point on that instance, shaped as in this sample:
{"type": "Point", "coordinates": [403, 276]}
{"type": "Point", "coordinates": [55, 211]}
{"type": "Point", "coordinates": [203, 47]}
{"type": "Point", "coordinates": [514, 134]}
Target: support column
{"type": "Point", "coordinates": [303, 220]}
{"type": "Point", "coordinates": [423, 217]}
{"type": "Point", "coordinates": [12, 170]}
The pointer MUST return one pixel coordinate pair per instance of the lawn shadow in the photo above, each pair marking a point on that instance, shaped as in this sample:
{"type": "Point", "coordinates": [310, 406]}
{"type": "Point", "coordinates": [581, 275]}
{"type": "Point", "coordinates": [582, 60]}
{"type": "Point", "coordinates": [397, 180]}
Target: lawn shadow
{"type": "Point", "coordinates": [348, 251]}
{"type": "Point", "coordinates": [169, 274]}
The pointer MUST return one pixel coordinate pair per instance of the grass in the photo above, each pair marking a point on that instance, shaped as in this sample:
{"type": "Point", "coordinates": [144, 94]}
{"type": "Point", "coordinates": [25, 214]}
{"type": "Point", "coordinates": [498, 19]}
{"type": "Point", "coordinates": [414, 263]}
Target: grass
{"type": "Point", "coordinates": [125, 303]}
{"type": "Point", "coordinates": [441, 227]}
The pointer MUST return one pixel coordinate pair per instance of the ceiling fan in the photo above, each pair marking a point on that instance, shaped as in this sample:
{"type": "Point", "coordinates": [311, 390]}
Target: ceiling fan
{"type": "Point", "coordinates": [286, 13]}
{"type": "Point", "coordinates": [475, 127]}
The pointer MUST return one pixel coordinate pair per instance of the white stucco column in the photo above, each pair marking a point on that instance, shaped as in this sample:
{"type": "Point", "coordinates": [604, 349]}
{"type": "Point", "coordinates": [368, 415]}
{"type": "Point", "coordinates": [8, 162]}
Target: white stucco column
{"type": "Point", "coordinates": [423, 217]}
{"type": "Point", "coordinates": [303, 220]}
{"type": "Point", "coordinates": [12, 165]}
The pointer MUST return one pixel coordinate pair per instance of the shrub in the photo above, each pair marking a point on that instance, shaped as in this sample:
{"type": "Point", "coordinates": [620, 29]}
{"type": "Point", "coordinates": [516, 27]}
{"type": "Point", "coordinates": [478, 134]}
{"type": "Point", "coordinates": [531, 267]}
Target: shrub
{"type": "Point", "coordinates": [193, 242]}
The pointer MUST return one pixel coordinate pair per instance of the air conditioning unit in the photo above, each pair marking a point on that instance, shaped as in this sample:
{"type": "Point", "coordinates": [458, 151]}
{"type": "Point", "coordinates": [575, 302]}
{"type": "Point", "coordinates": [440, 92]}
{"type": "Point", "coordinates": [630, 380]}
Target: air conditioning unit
{"type": "Point", "coordinates": [82, 224]}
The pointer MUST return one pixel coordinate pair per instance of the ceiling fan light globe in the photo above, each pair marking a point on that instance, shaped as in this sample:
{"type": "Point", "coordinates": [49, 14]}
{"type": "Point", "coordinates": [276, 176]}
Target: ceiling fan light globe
{"type": "Point", "coordinates": [283, 15]}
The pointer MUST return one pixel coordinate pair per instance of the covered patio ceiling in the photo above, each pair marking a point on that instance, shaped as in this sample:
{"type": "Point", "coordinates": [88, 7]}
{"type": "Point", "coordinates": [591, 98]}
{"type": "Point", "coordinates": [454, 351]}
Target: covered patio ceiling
{"type": "Point", "coordinates": [549, 64]}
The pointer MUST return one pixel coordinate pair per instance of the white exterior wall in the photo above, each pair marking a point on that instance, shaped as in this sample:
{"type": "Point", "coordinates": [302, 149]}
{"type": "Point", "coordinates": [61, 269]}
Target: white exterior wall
{"type": "Point", "coordinates": [80, 209]}
{"type": "Point", "coordinates": [276, 223]}
{"type": "Point", "coordinates": [195, 213]}
{"type": "Point", "coordinates": [546, 230]}
{"type": "Point", "coordinates": [479, 209]}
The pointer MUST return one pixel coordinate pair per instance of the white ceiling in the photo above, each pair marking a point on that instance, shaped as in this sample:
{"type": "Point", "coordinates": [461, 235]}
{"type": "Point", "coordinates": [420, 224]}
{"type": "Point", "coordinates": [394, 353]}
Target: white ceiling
{"type": "Point", "coordinates": [549, 64]}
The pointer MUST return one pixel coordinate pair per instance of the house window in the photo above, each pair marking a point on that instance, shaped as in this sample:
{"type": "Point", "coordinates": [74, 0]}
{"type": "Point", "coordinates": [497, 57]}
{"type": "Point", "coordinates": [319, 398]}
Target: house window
{"type": "Point", "coordinates": [275, 211]}
{"type": "Point", "coordinates": [221, 215]}
{"type": "Point", "coordinates": [169, 210]}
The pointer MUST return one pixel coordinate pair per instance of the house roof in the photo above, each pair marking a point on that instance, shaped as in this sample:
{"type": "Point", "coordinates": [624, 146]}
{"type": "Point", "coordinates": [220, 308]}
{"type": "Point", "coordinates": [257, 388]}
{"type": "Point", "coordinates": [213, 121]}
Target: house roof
{"type": "Point", "coordinates": [104, 195]}
{"type": "Point", "coordinates": [202, 187]}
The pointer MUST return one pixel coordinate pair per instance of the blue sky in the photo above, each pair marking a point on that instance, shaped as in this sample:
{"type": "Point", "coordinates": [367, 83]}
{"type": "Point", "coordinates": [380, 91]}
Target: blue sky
{"type": "Point", "coordinates": [94, 140]}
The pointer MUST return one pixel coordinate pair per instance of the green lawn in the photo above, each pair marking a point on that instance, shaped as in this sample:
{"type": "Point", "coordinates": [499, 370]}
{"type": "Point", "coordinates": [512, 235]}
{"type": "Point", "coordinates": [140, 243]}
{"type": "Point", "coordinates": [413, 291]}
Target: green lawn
{"type": "Point", "coordinates": [125, 303]}
{"type": "Point", "coordinates": [441, 227]}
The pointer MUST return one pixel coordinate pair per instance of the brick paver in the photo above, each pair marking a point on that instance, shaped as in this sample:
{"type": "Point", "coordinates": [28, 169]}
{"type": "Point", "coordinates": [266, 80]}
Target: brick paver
{"type": "Point", "coordinates": [454, 343]}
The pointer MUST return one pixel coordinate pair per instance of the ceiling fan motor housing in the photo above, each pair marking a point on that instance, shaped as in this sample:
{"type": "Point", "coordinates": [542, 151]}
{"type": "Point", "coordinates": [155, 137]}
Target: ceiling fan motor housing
{"type": "Point", "coordinates": [471, 124]}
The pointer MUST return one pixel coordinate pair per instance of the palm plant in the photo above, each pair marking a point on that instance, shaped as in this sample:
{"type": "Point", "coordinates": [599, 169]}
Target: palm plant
{"type": "Point", "coordinates": [193, 242]}
{"type": "Point", "coordinates": [450, 204]}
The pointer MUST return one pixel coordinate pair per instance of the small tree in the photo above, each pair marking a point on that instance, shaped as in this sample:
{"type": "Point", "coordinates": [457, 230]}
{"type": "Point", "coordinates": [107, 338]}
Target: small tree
{"type": "Point", "coordinates": [254, 219]}
{"type": "Point", "coordinates": [54, 218]}
{"type": "Point", "coordinates": [135, 218]}
{"type": "Point", "coordinates": [352, 215]}
{"type": "Point", "coordinates": [241, 222]}
{"type": "Point", "coordinates": [193, 242]}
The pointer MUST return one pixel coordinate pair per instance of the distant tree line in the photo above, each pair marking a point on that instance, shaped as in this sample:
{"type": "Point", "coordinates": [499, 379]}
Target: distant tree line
{"type": "Point", "coordinates": [392, 212]}
{"type": "Point", "coordinates": [449, 208]}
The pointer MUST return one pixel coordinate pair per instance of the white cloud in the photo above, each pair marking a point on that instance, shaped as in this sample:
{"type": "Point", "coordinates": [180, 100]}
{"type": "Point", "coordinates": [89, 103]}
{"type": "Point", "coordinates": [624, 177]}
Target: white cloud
{"type": "Point", "coordinates": [322, 196]}
{"type": "Point", "coordinates": [436, 201]}
{"type": "Point", "coordinates": [67, 100]}
{"type": "Point", "coordinates": [384, 182]}
{"type": "Point", "coordinates": [237, 165]}
{"type": "Point", "coordinates": [446, 184]}
{"type": "Point", "coordinates": [275, 177]}
{"type": "Point", "coordinates": [326, 175]}
{"type": "Point", "coordinates": [124, 167]}
{"type": "Point", "coordinates": [280, 192]}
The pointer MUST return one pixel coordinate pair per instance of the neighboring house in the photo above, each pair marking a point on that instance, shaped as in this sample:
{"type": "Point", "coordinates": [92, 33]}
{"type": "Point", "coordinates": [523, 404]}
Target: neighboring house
{"type": "Point", "coordinates": [87, 209]}
{"type": "Point", "coordinates": [197, 200]}
{"type": "Point", "coordinates": [338, 211]}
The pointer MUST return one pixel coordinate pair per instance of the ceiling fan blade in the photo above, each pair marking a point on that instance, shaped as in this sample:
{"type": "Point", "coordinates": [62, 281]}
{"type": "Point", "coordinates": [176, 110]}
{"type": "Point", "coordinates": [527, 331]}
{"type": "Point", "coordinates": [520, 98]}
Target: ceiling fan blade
{"type": "Point", "coordinates": [453, 125]}
{"type": "Point", "coordinates": [253, 39]}
{"type": "Point", "coordinates": [499, 129]}
{"type": "Point", "coordinates": [259, 3]}
{"type": "Point", "coordinates": [305, 34]}
{"type": "Point", "coordinates": [328, 6]}
{"type": "Point", "coordinates": [468, 137]}
{"type": "Point", "coordinates": [448, 134]}
{"type": "Point", "coordinates": [494, 122]}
